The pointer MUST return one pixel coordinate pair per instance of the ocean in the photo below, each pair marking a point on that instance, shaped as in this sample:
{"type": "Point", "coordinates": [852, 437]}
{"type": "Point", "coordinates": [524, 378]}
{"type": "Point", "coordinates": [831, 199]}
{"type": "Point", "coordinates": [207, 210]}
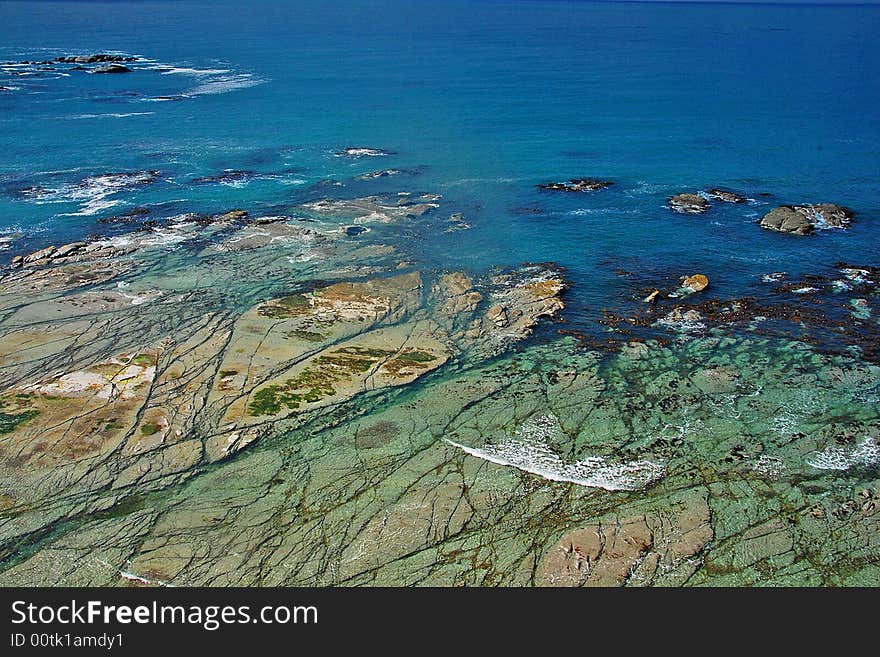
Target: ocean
{"type": "Point", "coordinates": [482, 101]}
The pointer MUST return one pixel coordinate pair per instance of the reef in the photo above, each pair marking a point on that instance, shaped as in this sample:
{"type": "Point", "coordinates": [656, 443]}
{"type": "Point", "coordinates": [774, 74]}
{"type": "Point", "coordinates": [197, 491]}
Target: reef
{"type": "Point", "coordinates": [577, 185]}
{"type": "Point", "coordinates": [232, 398]}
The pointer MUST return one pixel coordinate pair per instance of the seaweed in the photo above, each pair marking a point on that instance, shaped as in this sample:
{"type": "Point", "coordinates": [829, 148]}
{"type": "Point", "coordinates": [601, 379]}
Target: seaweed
{"type": "Point", "coordinates": [9, 422]}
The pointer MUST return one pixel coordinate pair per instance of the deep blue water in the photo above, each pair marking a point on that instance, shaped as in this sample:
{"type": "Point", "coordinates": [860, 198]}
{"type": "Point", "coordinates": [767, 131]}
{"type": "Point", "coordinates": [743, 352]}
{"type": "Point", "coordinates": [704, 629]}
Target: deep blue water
{"type": "Point", "coordinates": [483, 100]}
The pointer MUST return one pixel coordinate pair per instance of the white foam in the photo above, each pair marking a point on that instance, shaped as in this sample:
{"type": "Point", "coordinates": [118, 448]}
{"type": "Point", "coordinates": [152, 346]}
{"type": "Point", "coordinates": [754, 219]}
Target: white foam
{"type": "Point", "coordinates": [225, 84]}
{"type": "Point", "coordinates": [835, 457]}
{"type": "Point", "coordinates": [93, 207]}
{"type": "Point", "coordinates": [528, 450]}
{"type": "Point", "coordinates": [769, 466]}
{"type": "Point", "coordinates": [111, 115]}
{"type": "Point", "coordinates": [185, 70]}
{"type": "Point", "coordinates": [92, 192]}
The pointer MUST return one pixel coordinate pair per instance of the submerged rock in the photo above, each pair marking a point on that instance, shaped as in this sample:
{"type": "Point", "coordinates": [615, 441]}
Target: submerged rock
{"type": "Point", "coordinates": [227, 177]}
{"type": "Point", "coordinates": [385, 173]}
{"type": "Point", "coordinates": [805, 219]}
{"type": "Point", "coordinates": [362, 151]}
{"type": "Point", "coordinates": [688, 203]}
{"type": "Point", "coordinates": [372, 209]}
{"type": "Point", "coordinates": [577, 185]}
{"type": "Point", "coordinates": [638, 550]}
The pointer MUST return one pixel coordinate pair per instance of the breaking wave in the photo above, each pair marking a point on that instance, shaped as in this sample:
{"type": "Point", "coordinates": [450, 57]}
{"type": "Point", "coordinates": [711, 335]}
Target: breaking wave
{"type": "Point", "coordinates": [865, 454]}
{"type": "Point", "coordinates": [528, 450]}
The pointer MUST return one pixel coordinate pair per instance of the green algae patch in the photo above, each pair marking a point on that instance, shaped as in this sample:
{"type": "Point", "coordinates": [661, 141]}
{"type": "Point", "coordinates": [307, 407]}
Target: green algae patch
{"type": "Point", "coordinates": [409, 360]}
{"type": "Point", "coordinates": [306, 336]}
{"type": "Point", "coordinates": [294, 305]}
{"type": "Point", "coordinates": [353, 359]}
{"type": "Point", "coordinates": [9, 422]}
{"type": "Point", "coordinates": [144, 360]}
{"type": "Point", "coordinates": [149, 428]}
{"type": "Point", "coordinates": [317, 382]}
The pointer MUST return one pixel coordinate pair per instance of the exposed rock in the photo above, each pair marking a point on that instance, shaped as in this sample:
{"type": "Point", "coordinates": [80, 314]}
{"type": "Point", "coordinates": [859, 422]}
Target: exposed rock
{"type": "Point", "coordinates": [726, 196]}
{"type": "Point", "coordinates": [681, 319]}
{"type": "Point", "coordinates": [233, 216]}
{"type": "Point", "coordinates": [67, 249]}
{"type": "Point", "coordinates": [498, 316]}
{"type": "Point", "coordinates": [805, 219]}
{"type": "Point", "coordinates": [100, 58]}
{"type": "Point", "coordinates": [372, 209]}
{"type": "Point", "coordinates": [42, 254]}
{"type": "Point", "coordinates": [688, 203]}
{"type": "Point", "coordinates": [458, 293]}
{"type": "Point", "coordinates": [696, 283]}
{"type": "Point", "coordinates": [385, 173]}
{"type": "Point", "coordinates": [112, 68]}
{"type": "Point", "coordinates": [228, 177]}
{"type": "Point", "coordinates": [636, 550]}
{"type": "Point", "coordinates": [652, 297]}
{"type": "Point", "coordinates": [577, 185]}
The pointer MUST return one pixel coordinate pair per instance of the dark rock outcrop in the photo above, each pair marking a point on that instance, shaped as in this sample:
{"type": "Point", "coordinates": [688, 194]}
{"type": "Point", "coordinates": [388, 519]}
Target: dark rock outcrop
{"type": "Point", "coordinates": [577, 185]}
{"type": "Point", "coordinates": [726, 196]}
{"type": "Point", "coordinates": [227, 177]}
{"type": "Point", "coordinates": [100, 58]}
{"type": "Point", "coordinates": [112, 68]}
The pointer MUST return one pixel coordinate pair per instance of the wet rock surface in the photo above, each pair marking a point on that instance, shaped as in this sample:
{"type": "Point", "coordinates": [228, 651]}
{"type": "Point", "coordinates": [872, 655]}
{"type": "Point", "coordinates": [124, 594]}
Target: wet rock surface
{"type": "Point", "coordinates": [688, 204]}
{"type": "Point", "coordinates": [806, 219]}
{"type": "Point", "coordinates": [236, 399]}
{"type": "Point", "coordinates": [725, 196]}
{"type": "Point", "coordinates": [577, 185]}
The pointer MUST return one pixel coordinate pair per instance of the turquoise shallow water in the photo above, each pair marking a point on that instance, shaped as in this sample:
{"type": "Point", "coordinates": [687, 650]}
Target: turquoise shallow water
{"type": "Point", "coordinates": [481, 101]}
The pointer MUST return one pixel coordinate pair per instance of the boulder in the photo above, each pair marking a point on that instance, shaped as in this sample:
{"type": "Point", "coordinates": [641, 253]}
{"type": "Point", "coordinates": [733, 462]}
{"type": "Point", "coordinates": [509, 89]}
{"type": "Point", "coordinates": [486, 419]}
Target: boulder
{"type": "Point", "coordinates": [697, 282]}
{"type": "Point", "coordinates": [688, 203]}
{"type": "Point", "coordinates": [112, 68]}
{"type": "Point", "coordinates": [805, 219]}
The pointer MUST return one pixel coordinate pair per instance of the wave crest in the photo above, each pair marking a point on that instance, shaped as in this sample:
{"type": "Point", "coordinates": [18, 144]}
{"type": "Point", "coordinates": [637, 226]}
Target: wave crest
{"type": "Point", "coordinates": [528, 450]}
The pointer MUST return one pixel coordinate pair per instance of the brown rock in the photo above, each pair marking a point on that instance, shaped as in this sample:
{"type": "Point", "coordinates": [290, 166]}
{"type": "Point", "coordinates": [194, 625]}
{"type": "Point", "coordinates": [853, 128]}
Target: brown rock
{"type": "Point", "coordinates": [804, 219]}
{"type": "Point", "coordinates": [688, 203]}
{"type": "Point", "coordinates": [498, 315]}
{"type": "Point", "coordinates": [697, 282]}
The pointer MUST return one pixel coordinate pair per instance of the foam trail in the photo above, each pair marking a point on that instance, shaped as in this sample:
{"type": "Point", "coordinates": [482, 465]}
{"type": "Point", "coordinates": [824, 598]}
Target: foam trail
{"type": "Point", "coordinates": [529, 451]}
{"type": "Point", "coordinates": [865, 454]}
